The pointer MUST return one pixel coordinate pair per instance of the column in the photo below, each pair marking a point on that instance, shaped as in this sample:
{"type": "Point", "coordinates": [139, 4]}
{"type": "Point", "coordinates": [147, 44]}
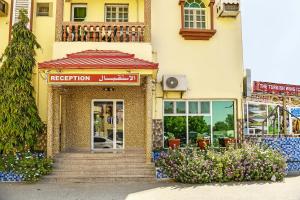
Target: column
{"type": "Point", "coordinates": [148, 118]}
{"type": "Point", "coordinates": [147, 20]}
{"type": "Point", "coordinates": [59, 19]}
{"type": "Point", "coordinates": [50, 123]}
{"type": "Point", "coordinates": [63, 120]}
{"type": "Point", "coordinates": [56, 121]}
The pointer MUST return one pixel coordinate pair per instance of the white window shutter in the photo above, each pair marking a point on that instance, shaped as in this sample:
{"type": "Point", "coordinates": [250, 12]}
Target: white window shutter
{"type": "Point", "coordinates": [18, 5]}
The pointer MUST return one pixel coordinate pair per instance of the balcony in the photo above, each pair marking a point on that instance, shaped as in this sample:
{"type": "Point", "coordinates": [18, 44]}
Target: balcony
{"type": "Point", "coordinates": [101, 21]}
{"type": "Point", "coordinates": [103, 32]}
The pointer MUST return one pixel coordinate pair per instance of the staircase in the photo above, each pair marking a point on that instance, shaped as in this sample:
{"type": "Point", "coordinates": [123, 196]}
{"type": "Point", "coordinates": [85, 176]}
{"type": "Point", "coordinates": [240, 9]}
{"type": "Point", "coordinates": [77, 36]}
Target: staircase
{"type": "Point", "coordinates": [101, 167]}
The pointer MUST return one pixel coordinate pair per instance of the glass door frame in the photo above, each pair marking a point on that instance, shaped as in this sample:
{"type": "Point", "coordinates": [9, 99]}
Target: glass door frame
{"type": "Point", "coordinates": [114, 101]}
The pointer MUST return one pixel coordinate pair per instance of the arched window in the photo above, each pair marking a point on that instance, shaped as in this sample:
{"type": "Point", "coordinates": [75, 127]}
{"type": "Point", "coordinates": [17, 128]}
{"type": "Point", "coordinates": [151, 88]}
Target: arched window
{"type": "Point", "coordinates": [197, 19]}
{"type": "Point", "coordinates": [194, 14]}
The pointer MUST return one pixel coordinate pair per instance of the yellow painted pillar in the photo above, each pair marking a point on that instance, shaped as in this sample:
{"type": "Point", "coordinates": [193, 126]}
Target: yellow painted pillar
{"type": "Point", "coordinates": [63, 121]}
{"type": "Point", "coordinates": [56, 121]}
{"type": "Point", "coordinates": [50, 123]}
{"type": "Point", "coordinates": [147, 20]}
{"type": "Point", "coordinates": [148, 118]}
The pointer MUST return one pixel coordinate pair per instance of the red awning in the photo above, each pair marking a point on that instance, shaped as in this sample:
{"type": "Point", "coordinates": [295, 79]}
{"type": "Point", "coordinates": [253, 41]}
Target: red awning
{"type": "Point", "coordinates": [99, 59]}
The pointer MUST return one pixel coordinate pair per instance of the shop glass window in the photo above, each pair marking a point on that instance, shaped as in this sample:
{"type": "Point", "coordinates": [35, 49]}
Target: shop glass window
{"type": "Point", "coordinates": [180, 107]}
{"type": "Point", "coordinates": [79, 12]}
{"type": "Point", "coordinates": [193, 107]}
{"type": "Point", "coordinates": [212, 119]}
{"type": "Point", "coordinates": [198, 125]}
{"type": "Point", "coordinates": [194, 14]}
{"type": "Point", "coordinates": [169, 107]}
{"type": "Point", "coordinates": [205, 107]}
{"type": "Point", "coordinates": [223, 120]}
{"type": "Point", "coordinates": [177, 126]}
{"type": "Point", "coordinates": [116, 13]}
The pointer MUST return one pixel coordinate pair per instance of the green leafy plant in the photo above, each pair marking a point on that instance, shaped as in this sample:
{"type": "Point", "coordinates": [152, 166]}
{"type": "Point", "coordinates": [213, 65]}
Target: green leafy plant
{"type": "Point", "coordinates": [171, 136]}
{"type": "Point", "coordinates": [20, 123]}
{"type": "Point", "coordinates": [248, 163]}
{"type": "Point", "coordinates": [201, 136]}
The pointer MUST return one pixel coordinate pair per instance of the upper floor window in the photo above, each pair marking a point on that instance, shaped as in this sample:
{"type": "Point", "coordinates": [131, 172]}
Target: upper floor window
{"type": "Point", "coordinates": [116, 13]}
{"type": "Point", "coordinates": [197, 19]}
{"type": "Point", "coordinates": [44, 9]}
{"type": "Point", "coordinates": [194, 14]}
{"type": "Point", "coordinates": [78, 12]}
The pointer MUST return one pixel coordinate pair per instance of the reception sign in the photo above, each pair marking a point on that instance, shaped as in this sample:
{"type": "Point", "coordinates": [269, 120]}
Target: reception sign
{"type": "Point", "coordinates": [275, 88]}
{"type": "Point", "coordinates": [94, 79]}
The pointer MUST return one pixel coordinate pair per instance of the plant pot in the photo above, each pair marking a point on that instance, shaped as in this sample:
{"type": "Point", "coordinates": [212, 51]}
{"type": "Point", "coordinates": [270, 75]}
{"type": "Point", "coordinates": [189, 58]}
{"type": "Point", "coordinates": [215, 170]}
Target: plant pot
{"type": "Point", "coordinates": [203, 143]}
{"type": "Point", "coordinates": [174, 143]}
{"type": "Point", "coordinates": [229, 141]}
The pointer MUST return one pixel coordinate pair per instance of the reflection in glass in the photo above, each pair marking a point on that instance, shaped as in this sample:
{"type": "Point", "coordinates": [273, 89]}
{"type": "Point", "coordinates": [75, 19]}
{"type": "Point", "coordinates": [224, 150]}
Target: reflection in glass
{"type": "Point", "coordinates": [103, 125]}
{"type": "Point", "coordinates": [168, 107]}
{"type": "Point", "coordinates": [177, 126]}
{"type": "Point", "coordinates": [205, 107]}
{"type": "Point", "coordinates": [198, 125]}
{"type": "Point", "coordinates": [180, 107]}
{"type": "Point", "coordinates": [223, 120]}
{"type": "Point", "coordinates": [119, 123]}
{"type": "Point", "coordinates": [193, 107]}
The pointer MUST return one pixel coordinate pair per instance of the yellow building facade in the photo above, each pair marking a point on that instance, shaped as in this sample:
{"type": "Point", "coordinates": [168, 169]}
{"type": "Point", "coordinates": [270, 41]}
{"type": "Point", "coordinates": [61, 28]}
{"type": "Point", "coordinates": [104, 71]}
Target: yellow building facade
{"type": "Point", "coordinates": [185, 56]}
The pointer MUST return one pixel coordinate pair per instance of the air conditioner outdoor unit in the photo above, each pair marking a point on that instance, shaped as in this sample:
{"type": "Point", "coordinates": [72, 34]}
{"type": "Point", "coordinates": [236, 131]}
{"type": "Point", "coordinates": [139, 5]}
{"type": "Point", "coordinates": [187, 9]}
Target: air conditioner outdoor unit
{"type": "Point", "coordinates": [3, 8]}
{"type": "Point", "coordinates": [228, 8]}
{"type": "Point", "coordinates": [175, 83]}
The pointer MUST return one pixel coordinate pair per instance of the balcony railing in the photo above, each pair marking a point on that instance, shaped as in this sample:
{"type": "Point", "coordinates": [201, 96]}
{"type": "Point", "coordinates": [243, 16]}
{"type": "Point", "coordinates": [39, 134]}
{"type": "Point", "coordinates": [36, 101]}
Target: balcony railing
{"type": "Point", "coordinates": [103, 32]}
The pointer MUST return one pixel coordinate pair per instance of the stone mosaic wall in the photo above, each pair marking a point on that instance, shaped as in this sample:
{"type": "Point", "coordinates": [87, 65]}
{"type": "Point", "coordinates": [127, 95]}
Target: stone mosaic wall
{"type": "Point", "coordinates": [157, 128]}
{"type": "Point", "coordinates": [10, 177]}
{"type": "Point", "coordinates": [290, 147]}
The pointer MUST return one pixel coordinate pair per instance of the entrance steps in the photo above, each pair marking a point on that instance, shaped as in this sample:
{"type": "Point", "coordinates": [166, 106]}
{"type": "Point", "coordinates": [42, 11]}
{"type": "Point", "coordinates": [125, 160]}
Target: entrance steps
{"type": "Point", "coordinates": [101, 167]}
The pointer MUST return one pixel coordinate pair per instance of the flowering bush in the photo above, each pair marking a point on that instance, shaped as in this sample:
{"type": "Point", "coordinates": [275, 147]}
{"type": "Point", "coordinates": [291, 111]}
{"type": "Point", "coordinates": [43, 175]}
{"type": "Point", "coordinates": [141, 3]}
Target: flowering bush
{"type": "Point", "coordinates": [30, 166]}
{"type": "Point", "coordinates": [248, 163]}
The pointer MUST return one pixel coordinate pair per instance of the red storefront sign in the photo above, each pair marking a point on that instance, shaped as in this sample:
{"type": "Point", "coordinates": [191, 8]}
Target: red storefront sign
{"type": "Point", "coordinates": [276, 88]}
{"type": "Point", "coordinates": [98, 79]}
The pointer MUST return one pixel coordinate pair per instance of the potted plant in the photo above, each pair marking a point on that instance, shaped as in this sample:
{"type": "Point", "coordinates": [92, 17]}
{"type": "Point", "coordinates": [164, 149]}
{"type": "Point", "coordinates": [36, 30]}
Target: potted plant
{"type": "Point", "coordinates": [202, 141]}
{"type": "Point", "coordinates": [173, 142]}
{"type": "Point", "coordinates": [227, 140]}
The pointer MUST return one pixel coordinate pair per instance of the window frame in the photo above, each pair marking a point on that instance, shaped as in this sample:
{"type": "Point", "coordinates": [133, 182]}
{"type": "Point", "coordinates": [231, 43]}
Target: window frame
{"type": "Point", "coordinates": [39, 5]}
{"type": "Point", "coordinates": [78, 5]}
{"type": "Point", "coordinates": [194, 14]}
{"type": "Point", "coordinates": [187, 115]}
{"type": "Point", "coordinates": [196, 33]}
{"type": "Point", "coordinates": [117, 6]}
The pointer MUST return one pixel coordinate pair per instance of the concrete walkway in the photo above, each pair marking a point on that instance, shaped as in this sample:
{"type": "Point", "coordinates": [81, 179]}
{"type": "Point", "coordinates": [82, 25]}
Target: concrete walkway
{"type": "Point", "coordinates": [287, 190]}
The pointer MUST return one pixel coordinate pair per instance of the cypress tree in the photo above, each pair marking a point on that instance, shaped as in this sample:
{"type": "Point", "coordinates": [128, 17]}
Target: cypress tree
{"type": "Point", "coordinates": [20, 123]}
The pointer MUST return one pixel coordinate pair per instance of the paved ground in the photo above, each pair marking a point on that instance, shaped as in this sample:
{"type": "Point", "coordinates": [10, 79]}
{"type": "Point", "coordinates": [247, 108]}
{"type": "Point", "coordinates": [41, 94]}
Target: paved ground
{"type": "Point", "coordinates": [287, 190]}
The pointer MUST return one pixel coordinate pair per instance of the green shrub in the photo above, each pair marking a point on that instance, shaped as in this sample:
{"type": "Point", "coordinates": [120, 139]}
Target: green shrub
{"type": "Point", "coordinates": [30, 166]}
{"type": "Point", "coordinates": [248, 163]}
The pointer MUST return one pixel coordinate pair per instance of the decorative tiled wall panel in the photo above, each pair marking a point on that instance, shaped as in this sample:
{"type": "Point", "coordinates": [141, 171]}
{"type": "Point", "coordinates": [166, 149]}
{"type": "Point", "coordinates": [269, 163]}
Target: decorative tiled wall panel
{"type": "Point", "coordinates": [289, 147]}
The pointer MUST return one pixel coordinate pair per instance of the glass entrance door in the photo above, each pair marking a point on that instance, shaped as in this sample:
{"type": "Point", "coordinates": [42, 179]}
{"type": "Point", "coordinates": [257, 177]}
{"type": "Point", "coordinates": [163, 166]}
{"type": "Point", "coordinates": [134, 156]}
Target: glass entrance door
{"type": "Point", "coordinates": [107, 124]}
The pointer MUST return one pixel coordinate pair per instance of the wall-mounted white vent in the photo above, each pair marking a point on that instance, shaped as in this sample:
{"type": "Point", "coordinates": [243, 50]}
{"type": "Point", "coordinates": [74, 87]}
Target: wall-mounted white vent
{"type": "Point", "coordinates": [3, 8]}
{"type": "Point", "coordinates": [228, 8]}
{"type": "Point", "coordinates": [18, 5]}
{"type": "Point", "coordinates": [175, 83]}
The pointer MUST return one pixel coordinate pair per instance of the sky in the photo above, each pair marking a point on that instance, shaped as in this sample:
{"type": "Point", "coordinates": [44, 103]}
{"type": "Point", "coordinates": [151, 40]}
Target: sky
{"type": "Point", "coordinates": [271, 40]}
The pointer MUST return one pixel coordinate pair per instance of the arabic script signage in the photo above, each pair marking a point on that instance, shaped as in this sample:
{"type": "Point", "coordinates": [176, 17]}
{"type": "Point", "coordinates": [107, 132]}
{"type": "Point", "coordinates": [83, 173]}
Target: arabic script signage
{"type": "Point", "coordinates": [96, 79]}
{"type": "Point", "coordinates": [275, 88]}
